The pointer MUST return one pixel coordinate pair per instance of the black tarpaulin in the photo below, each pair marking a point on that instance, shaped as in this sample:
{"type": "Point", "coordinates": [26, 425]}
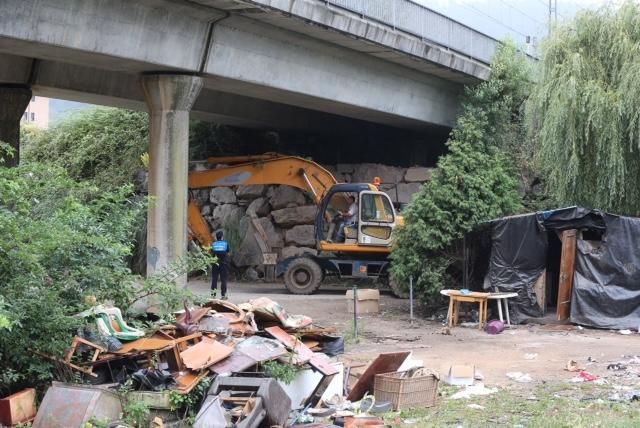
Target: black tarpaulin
{"type": "Point", "coordinates": [518, 255]}
{"type": "Point", "coordinates": [606, 285]}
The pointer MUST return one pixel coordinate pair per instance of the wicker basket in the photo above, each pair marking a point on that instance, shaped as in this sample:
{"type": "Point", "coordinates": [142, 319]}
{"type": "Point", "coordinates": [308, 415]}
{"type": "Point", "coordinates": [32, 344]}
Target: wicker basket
{"type": "Point", "coordinates": [404, 391]}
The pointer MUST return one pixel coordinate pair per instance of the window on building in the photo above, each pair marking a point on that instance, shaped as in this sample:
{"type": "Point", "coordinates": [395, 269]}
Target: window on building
{"type": "Point", "coordinates": [33, 117]}
{"type": "Point", "coordinates": [33, 98]}
{"type": "Point", "coordinates": [26, 116]}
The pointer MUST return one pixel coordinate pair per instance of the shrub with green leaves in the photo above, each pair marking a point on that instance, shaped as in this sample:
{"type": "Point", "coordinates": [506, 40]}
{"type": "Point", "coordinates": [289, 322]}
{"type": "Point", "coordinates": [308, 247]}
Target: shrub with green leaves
{"type": "Point", "coordinates": [64, 244]}
{"type": "Point", "coordinates": [474, 182]}
{"type": "Point", "coordinates": [101, 144]}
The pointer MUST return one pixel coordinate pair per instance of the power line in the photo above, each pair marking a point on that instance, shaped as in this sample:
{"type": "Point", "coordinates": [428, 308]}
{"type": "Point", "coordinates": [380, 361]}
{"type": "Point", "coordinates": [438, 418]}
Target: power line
{"type": "Point", "coordinates": [494, 19]}
{"type": "Point", "coordinates": [522, 12]}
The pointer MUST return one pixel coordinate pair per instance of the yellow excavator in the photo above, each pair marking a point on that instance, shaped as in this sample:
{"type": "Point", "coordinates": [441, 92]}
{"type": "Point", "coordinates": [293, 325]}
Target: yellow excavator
{"type": "Point", "coordinates": [365, 245]}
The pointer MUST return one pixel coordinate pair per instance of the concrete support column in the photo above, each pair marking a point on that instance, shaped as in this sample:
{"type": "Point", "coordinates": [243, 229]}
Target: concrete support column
{"type": "Point", "coordinates": [14, 99]}
{"type": "Point", "coordinates": [169, 98]}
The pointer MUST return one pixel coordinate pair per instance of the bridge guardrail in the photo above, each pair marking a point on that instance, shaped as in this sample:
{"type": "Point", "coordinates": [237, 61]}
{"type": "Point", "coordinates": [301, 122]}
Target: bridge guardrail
{"type": "Point", "coordinates": [420, 21]}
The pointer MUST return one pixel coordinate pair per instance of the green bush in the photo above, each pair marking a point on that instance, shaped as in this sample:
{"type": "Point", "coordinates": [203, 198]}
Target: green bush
{"type": "Point", "coordinates": [64, 245]}
{"type": "Point", "coordinates": [474, 182]}
{"type": "Point", "coordinates": [102, 144]}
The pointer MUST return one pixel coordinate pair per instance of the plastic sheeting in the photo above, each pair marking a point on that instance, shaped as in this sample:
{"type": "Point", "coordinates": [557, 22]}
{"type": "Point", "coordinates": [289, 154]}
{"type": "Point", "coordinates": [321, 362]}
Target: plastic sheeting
{"type": "Point", "coordinates": [606, 286]}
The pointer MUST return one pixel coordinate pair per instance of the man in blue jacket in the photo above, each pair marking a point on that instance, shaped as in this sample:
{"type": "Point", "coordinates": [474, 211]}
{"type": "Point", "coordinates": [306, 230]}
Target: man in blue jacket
{"type": "Point", "coordinates": [220, 249]}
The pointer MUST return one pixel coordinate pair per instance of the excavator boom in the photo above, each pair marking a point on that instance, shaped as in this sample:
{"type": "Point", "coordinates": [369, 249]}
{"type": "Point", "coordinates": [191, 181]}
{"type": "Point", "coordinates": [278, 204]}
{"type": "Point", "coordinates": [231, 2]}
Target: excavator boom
{"type": "Point", "coordinates": [268, 169]}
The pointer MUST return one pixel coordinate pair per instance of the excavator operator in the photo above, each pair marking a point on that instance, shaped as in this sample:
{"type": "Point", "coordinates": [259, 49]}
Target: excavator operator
{"type": "Point", "coordinates": [342, 219]}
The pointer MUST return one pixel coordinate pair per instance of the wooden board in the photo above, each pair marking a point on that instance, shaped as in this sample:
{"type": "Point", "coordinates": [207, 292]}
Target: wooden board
{"type": "Point", "coordinates": [384, 363]}
{"type": "Point", "coordinates": [301, 350]}
{"type": "Point", "coordinates": [205, 353]}
{"type": "Point", "coordinates": [565, 284]}
{"type": "Point", "coordinates": [540, 288]}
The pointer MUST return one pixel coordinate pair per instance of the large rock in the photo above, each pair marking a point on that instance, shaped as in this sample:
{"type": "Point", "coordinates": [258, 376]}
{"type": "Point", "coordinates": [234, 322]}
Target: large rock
{"type": "Point", "coordinates": [294, 216]}
{"type": "Point", "coordinates": [285, 196]}
{"type": "Point", "coordinates": [418, 174]}
{"type": "Point", "coordinates": [293, 251]}
{"type": "Point", "coordinates": [301, 235]}
{"type": "Point", "coordinates": [227, 215]}
{"type": "Point", "coordinates": [260, 207]}
{"type": "Point", "coordinates": [405, 192]}
{"type": "Point", "coordinates": [205, 211]}
{"type": "Point", "coordinates": [366, 172]}
{"type": "Point", "coordinates": [250, 192]}
{"type": "Point", "coordinates": [248, 252]}
{"type": "Point", "coordinates": [274, 236]}
{"type": "Point", "coordinates": [201, 196]}
{"type": "Point", "coordinates": [222, 195]}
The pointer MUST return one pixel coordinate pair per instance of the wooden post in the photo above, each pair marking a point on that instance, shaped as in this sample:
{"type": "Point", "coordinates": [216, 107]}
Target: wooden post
{"type": "Point", "coordinates": [567, 265]}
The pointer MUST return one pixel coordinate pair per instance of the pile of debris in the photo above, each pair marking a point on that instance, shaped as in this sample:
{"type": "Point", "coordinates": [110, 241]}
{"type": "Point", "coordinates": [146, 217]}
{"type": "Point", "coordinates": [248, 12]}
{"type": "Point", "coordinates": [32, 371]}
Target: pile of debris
{"type": "Point", "coordinates": [248, 365]}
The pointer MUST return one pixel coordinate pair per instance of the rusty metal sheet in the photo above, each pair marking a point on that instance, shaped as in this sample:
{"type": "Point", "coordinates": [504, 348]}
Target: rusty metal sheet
{"type": "Point", "coordinates": [235, 363]}
{"type": "Point", "coordinates": [384, 363]}
{"type": "Point", "coordinates": [205, 353]}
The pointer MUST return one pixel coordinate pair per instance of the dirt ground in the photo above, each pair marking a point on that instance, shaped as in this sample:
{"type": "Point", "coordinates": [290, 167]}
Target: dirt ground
{"type": "Point", "coordinates": [532, 349]}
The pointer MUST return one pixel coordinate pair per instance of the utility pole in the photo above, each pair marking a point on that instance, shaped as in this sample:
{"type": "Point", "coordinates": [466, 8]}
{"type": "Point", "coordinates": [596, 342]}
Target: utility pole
{"type": "Point", "coordinates": [553, 13]}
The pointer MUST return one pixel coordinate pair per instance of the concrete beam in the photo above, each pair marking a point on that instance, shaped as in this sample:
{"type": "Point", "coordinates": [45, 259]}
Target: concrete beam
{"type": "Point", "coordinates": [237, 55]}
{"type": "Point", "coordinates": [14, 99]}
{"type": "Point", "coordinates": [169, 97]}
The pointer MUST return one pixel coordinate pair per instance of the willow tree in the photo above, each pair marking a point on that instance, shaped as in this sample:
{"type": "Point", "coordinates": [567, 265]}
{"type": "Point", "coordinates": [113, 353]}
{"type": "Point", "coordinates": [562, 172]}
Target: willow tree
{"type": "Point", "coordinates": [584, 113]}
{"type": "Point", "coordinates": [474, 182]}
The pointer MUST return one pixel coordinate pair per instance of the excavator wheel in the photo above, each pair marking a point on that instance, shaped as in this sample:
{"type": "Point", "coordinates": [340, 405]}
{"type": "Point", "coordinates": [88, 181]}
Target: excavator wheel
{"type": "Point", "coordinates": [303, 276]}
{"type": "Point", "coordinates": [397, 291]}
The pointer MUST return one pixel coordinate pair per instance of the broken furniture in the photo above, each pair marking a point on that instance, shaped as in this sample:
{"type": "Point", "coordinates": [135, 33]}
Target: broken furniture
{"type": "Point", "coordinates": [72, 405]}
{"type": "Point", "coordinates": [456, 297]}
{"type": "Point", "coordinates": [502, 300]}
{"type": "Point", "coordinates": [111, 323]}
{"type": "Point", "coordinates": [384, 363]}
{"type": "Point", "coordinates": [412, 388]}
{"type": "Point", "coordinates": [18, 408]}
{"type": "Point", "coordinates": [276, 401]}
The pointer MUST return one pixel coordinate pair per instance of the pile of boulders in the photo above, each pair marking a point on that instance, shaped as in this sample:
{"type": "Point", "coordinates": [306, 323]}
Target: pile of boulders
{"type": "Point", "coordinates": [287, 214]}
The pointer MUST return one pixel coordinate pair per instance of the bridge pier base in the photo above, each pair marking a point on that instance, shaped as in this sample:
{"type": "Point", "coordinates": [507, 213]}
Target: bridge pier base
{"type": "Point", "coordinates": [14, 99]}
{"type": "Point", "coordinates": [169, 98]}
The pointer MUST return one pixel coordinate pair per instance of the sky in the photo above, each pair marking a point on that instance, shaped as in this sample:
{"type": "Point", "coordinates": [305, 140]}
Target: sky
{"type": "Point", "coordinates": [517, 18]}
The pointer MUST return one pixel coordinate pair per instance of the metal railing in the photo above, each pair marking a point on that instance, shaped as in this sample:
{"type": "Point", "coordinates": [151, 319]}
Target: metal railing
{"type": "Point", "coordinates": [420, 21]}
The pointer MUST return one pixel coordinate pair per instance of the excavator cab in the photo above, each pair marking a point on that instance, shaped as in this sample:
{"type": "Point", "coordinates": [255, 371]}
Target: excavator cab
{"type": "Point", "coordinates": [371, 228]}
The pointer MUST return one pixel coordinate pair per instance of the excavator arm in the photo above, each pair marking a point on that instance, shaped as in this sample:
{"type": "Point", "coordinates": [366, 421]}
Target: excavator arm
{"type": "Point", "coordinates": [263, 169]}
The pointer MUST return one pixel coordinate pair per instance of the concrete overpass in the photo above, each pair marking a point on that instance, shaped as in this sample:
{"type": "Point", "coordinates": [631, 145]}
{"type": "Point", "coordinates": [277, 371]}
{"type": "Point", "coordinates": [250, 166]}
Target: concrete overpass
{"type": "Point", "coordinates": [288, 64]}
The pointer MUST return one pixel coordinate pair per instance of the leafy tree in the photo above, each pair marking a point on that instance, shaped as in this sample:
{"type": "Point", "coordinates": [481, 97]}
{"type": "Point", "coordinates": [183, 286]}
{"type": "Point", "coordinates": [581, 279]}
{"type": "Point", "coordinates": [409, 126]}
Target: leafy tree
{"type": "Point", "coordinates": [64, 246]}
{"type": "Point", "coordinates": [584, 113]}
{"type": "Point", "coordinates": [100, 144]}
{"type": "Point", "coordinates": [474, 182]}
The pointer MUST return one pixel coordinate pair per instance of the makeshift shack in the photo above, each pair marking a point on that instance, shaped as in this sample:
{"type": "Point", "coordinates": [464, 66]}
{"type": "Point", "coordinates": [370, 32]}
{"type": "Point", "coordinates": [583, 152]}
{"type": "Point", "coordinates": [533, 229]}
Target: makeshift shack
{"type": "Point", "coordinates": [583, 262]}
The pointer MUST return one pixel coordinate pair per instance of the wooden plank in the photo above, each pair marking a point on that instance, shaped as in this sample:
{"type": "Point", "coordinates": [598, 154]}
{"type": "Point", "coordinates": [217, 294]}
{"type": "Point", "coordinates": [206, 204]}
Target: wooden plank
{"type": "Point", "coordinates": [540, 288]}
{"type": "Point", "coordinates": [302, 351]}
{"type": "Point", "coordinates": [567, 266]}
{"type": "Point", "coordinates": [384, 363]}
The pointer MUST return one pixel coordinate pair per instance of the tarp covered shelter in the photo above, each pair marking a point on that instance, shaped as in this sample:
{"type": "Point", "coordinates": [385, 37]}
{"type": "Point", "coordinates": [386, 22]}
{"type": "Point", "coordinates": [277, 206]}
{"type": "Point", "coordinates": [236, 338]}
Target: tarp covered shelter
{"type": "Point", "coordinates": [583, 261]}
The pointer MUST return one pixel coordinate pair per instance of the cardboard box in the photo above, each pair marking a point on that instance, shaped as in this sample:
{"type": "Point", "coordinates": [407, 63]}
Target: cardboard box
{"type": "Point", "coordinates": [368, 301]}
{"type": "Point", "coordinates": [461, 375]}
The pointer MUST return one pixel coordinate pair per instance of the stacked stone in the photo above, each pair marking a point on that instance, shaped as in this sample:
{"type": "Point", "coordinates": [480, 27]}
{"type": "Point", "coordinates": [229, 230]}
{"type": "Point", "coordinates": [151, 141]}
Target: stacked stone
{"type": "Point", "coordinates": [287, 214]}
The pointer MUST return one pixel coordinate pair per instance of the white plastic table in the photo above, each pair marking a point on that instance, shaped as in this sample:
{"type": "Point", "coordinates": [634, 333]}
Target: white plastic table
{"type": "Point", "coordinates": [502, 300]}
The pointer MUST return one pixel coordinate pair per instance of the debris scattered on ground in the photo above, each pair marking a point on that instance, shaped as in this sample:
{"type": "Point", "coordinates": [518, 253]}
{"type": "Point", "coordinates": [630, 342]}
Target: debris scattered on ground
{"type": "Point", "coordinates": [472, 390]}
{"type": "Point", "coordinates": [572, 366]}
{"type": "Point", "coordinates": [625, 332]}
{"type": "Point", "coordinates": [476, 406]}
{"type": "Point", "coordinates": [531, 356]}
{"type": "Point", "coordinates": [520, 377]}
{"type": "Point", "coordinates": [495, 327]}
{"type": "Point", "coordinates": [583, 376]}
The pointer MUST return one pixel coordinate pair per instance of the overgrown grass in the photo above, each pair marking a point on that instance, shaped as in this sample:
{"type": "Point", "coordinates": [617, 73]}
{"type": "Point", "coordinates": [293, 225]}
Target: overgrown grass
{"type": "Point", "coordinates": [551, 405]}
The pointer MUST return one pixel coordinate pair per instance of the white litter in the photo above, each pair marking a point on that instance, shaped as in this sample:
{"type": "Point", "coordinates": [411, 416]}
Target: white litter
{"type": "Point", "coordinates": [519, 377]}
{"type": "Point", "coordinates": [530, 356]}
{"type": "Point", "coordinates": [477, 389]}
{"type": "Point", "coordinates": [625, 332]}
{"type": "Point", "coordinates": [476, 406]}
